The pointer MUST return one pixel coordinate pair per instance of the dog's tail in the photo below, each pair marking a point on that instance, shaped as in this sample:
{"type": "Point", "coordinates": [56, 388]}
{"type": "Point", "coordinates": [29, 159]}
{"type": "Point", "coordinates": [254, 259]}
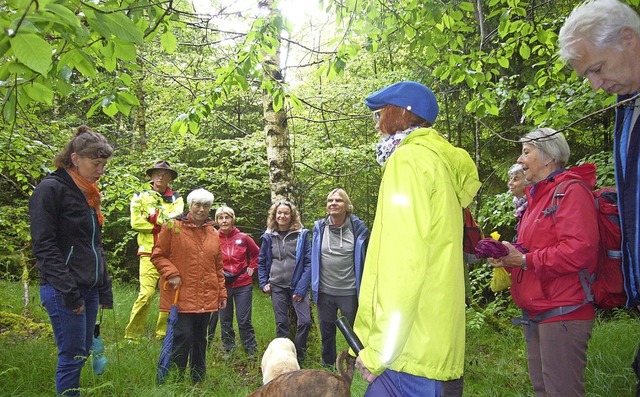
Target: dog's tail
{"type": "Point", "coordinates": [346, 364]}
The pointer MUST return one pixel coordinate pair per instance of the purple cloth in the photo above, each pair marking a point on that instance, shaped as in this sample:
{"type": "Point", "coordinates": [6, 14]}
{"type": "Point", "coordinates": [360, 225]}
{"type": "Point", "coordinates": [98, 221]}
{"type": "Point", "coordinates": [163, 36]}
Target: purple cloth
{"type": "Point", "coordinates": [490, 248]}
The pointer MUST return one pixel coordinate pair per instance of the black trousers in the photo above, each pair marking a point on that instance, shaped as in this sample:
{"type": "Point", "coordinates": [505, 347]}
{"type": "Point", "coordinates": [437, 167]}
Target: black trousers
{"type": "Point", "coordinates": [190, 344]}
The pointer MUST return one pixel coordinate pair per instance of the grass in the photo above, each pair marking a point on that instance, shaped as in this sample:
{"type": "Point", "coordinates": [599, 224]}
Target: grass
{"type": "Point", "coordinates": [495, 360]}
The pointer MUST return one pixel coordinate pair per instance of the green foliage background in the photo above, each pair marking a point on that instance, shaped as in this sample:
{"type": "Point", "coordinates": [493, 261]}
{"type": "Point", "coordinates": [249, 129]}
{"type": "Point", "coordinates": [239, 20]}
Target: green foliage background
{"type": "Point", "coordinates": [161, 81]}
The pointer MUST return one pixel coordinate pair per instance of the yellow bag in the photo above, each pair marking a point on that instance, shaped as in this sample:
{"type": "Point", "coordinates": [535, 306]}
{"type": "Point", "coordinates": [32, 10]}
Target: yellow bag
{"type": "Point", "coordinates": [500, 280]}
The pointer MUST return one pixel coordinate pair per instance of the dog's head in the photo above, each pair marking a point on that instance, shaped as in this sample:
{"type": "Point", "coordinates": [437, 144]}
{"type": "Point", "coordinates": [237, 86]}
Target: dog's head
{"type": "Point", "coordinates": [279, 358]}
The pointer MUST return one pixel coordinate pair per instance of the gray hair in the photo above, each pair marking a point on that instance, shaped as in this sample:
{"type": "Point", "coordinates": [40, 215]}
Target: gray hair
{"type": "Point", "coordinates": [515, 169]}
{"type": "Point", "coordinates": [223, 209]}
{"type": "Point", "coordinates": [551, 144]}
{"type": "Point", "coordinates": [200, 196]}
{"type": "Point", "coordinates": [599, 22]}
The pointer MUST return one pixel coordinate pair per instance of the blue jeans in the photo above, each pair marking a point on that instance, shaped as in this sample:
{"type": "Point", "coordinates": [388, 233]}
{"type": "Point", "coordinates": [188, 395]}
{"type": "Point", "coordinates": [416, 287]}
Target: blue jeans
{"type": "Point", "coordinates": [401, 384]}
{"type": "Point", "coordinates": [73, 333]}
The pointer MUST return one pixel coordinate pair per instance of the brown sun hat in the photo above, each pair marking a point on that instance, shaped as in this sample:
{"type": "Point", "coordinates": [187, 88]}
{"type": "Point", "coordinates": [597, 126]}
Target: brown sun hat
{"type": "Point", "coordinates": [162, 165]}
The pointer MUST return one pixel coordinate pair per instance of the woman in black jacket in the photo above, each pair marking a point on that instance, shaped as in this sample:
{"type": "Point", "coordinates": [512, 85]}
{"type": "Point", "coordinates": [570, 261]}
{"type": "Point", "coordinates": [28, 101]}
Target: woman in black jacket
{"type": "Point", "coordinates": [66, 226]}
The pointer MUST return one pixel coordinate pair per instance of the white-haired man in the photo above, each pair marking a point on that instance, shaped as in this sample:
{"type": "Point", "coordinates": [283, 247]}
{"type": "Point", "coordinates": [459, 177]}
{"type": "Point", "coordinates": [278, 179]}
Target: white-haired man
{"type": "Point", "coordinates": [601, 41]}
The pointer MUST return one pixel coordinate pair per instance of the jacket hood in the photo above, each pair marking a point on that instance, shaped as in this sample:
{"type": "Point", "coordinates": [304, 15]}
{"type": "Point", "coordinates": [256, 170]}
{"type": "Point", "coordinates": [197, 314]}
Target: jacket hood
{"type": "Point", "coordinates": [462, 170]}
{"type": "Point", "coordinates": [63, 176]}
{"type": "Point", "coordinates": [584, 172]}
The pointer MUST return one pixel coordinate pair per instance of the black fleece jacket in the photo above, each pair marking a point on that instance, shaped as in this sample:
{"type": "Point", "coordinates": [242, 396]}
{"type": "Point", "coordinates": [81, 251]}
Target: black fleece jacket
{"type": "Point", "coordinates": [66, 239]}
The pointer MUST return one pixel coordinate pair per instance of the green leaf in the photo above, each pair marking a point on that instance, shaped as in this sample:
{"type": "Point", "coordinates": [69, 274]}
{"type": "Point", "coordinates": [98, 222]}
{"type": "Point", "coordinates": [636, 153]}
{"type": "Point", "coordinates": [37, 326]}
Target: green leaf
{"type": "Point", "coordinates": [121, 27]}
{"type": "Point", "coordinates": [110, 110]}
{"type": "Point", "coordinates": [39, 93]}
{"type": "Point", "coordinates": [4, 46]}
{"type": "Point", "coordinates": [32, 51]}
{"type": "Point", "coordinates": [128, 98]}
{"type": "Point", "coordinates": [169, 42]}
{"type": "Point", "coordinates": [504, 62]}
{"type": "Point", "coordinates": [93, 108]}
{"type": "Point", "coordinates": [9, 110]}
{"type": "Point", "coordinates": [466, 6]}
{"type": "Point", "coordinates": [64, 14]}
{"type": "Point", "coordinates": [125, 50]}
{"type": "Point", "coordinates": [278, 101]}
{"type": "Point", "coordinates": [525, 51]}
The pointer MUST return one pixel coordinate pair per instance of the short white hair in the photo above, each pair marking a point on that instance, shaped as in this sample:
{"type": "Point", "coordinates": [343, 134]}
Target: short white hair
{"type": "Point", "coordinates": [551, 144]}
{"type": "Point", "coordinates": [599, 22]}
{"type": "Point", "coordinates": [200, 196]}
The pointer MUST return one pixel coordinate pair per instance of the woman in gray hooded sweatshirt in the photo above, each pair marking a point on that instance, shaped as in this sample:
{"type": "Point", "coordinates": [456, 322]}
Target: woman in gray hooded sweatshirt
{"type": "Point", "coordinates": [284, 271]}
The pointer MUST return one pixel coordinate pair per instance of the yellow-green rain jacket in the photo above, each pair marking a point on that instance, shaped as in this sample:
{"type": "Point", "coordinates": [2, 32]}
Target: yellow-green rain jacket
{"type": "Point", "coordinates": [145, 204]}
{"type": "Point", "coordinates": [411, 315]}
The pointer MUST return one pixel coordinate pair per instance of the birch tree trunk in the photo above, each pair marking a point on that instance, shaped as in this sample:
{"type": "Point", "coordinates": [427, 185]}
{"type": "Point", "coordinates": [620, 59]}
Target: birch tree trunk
{"type": "Point", "coordinates": [275, 125]}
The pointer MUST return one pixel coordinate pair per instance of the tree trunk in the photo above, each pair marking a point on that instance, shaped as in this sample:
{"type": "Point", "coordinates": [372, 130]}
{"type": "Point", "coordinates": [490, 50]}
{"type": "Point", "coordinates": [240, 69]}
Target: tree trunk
{"type": "Point", "coordinates": [141, 111]}
{"type": "Point", "coordinates": [275, 125]}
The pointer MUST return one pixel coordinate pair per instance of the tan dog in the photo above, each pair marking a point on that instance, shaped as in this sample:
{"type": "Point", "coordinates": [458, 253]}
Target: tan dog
{"type": "Point", "coordinates": [312, 382]}
{"type": "Point", "coordinates": [279, 358]}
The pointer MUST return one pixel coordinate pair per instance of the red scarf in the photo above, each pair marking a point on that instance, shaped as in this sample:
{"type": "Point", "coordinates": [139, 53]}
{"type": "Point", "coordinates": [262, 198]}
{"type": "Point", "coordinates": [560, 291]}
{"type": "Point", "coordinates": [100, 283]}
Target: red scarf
{"type": "Point", "coordinates": [90, 191]}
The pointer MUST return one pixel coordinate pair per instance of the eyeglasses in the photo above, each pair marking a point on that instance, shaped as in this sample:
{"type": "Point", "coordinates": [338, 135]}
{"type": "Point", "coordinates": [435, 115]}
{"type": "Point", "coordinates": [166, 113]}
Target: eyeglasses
{"type": "Point", "coordinates": [376, 115]}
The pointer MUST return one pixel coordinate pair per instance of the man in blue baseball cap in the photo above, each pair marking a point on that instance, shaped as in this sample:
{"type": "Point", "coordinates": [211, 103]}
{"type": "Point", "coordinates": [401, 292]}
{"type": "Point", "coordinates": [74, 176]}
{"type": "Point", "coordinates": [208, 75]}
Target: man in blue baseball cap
{"type": "Point", "coordinates": [411, 315]}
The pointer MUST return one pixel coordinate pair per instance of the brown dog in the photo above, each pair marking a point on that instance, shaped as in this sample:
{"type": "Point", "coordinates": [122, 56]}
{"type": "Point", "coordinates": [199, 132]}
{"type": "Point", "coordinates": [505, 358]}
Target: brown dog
{"type": "Point", "coordinates": [312, 382]}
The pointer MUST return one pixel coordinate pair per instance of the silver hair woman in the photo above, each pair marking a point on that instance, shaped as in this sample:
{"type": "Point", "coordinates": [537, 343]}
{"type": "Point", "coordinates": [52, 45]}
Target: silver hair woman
{"type": "Point", "coordinates": [200, 196]}
{"type": "Point", "coordinates": [545, 282]}
{"type": "Point", "coordinates": [189, 259]}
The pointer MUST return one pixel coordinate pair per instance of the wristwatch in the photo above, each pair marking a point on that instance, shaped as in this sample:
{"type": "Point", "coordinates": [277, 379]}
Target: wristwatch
{"type": "Point", "coordinates": [523, 265]}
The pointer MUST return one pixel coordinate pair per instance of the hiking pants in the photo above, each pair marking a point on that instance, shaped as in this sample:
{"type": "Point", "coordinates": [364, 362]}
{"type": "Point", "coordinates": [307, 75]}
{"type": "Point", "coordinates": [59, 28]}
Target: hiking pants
{"type": "Point", "coordinates": [148, 280]}
{"type": "Point", "coordinates": [280, 299]}
{"type": "Point", "coordinates": [557, 356]}
{"type": "Point", "coordinates": [73, 333]}
{"type": "Point", "coordinates": [328, 306]}
{"type": "Point", "coordinates": [242, 298]}
{"type": "Point", "coordinates": [190, 344]}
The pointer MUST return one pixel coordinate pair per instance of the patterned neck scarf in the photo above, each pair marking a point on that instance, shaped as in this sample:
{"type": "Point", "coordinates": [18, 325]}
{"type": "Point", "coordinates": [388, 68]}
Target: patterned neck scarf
{"type": "Point", "coordinates": [90, 191]}
{"type": "Point", "coordinates": [521, 205]}
{"type": "Point", "coordinates": [388, 144]}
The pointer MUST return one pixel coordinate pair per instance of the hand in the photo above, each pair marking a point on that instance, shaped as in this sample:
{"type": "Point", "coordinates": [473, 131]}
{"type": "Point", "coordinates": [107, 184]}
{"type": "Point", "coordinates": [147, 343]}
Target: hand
{"type": "Point", "coordinates": [513, 258]}
{"type": "Point", "coordinates": [175, 282]}
{"type": "Point", "coordinates": [267, 289]}
{"type": "Point", "coordinates": [366, 374]}
{"type": "Point", "coordinates": [79, 310]}
{"type": "Point", "coordinates": [153, 218]}
{"type": "Point", "coordinates": [250, 271]}
{"type": "Point", "coordinates": [297, 298]}
{"type": "Point", "coordinates": [222, 304]}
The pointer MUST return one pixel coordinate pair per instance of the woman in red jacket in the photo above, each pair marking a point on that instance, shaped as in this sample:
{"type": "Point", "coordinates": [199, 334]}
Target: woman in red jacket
{"type": "Point", "coordinates": [240, 259]}
{"type": "Point", "coordinates": [562, 246]}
